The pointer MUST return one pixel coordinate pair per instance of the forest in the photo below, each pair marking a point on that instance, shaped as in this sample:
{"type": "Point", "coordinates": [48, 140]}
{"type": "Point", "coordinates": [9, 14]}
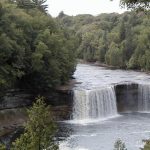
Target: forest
{"type": "Point", "coordinates": [120, 40]}
{"type": "Point", "coordinates": [35, 51]}
{"type": "Point", "coordinates": [39, 52]}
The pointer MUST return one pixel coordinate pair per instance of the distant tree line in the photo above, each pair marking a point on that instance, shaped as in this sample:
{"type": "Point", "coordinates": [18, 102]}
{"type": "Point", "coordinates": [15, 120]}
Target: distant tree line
{"type": "Point", "coordinates": [35, 51]}
{"type": "Point", "coordinates": [121, 40]}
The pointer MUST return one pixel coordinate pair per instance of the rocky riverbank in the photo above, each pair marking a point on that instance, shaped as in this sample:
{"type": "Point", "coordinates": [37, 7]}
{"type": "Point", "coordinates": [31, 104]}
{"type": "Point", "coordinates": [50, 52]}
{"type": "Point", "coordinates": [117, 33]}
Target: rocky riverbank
{"type": "Point", "coordinates": [14, 104]}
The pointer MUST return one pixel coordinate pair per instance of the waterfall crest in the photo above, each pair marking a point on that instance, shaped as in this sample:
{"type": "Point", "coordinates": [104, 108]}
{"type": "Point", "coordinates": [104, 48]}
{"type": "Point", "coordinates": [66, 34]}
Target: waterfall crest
{"type": "Point", "coordinates": [143, 97]}
{"type": "Point", "coordinates": [97, 103]}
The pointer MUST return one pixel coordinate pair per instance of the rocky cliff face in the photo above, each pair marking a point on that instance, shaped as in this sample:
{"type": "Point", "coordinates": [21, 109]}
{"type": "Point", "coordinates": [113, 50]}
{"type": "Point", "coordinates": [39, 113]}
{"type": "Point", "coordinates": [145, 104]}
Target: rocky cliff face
{"type": "Point", "coordinates": [58, 100]}
{"type": "Point", "coordinates": [13, 109]}
{"type": "Point", "coordinates": [127, 97]}
{"type": "Point", "coordinates": [61, 100]}
{"type": "Point", "coordinates": [16, 98]}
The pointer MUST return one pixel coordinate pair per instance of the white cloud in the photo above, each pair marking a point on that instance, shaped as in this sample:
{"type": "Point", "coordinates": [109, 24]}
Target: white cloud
{"type": "Point", "coordinates": [74, 7]}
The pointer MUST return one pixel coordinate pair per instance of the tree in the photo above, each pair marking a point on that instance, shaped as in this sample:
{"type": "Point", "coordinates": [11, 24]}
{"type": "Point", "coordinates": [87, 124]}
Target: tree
{"type": "Point", "coordinates": [119, 145]}
{"type": "Point", "coordinates": [2, 147]}
{"type": "Point", "coordinates": [35, 51]}
{"type": "Point", "coordinates": [61, 15]}
{"type": "Point", "coordinates": [145, 61]}
{"type": "Point", "coordinates": [103, 47]}
{"type": "Point", "coordinates": [30, 4]}
{"type": "Point", "coordinates": [39, 129]}
{"type": "Point", "coordinates": [40, 4]}
{"type": "Point", "coordinates": [25, 4]}
{"type": "Point", "coordinates": [114, 56]}
{"type": "Point", "coordinates": [122, 31]}
{"type": "Point", "coordinates": [135, 4]}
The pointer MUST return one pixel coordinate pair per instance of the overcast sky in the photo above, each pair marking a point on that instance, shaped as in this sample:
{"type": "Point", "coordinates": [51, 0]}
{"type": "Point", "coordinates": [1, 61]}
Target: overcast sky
{"type": "Point", "coordinates": [74, 7]}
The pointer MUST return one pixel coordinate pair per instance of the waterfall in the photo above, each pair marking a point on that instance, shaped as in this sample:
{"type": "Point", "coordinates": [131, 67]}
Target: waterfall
{"type": "Point", "coordinates": [143, 97]}
{"type": "Point", "coordinates": [92, 104]}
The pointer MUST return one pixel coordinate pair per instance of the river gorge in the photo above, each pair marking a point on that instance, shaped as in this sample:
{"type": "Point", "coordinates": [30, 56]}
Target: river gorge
{"type": "Point", "coordinates": [104, 105]}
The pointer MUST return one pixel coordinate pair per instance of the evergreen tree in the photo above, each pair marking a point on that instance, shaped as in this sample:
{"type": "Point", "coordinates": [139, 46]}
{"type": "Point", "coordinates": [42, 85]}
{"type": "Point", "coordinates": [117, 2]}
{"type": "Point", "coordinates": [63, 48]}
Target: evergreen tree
{"type": "Point", "coordinates": [25, 4]}
{"type": "Point", "coordinates": [40, 4]}
{"type": "Point", "coordinates": [39, 129]}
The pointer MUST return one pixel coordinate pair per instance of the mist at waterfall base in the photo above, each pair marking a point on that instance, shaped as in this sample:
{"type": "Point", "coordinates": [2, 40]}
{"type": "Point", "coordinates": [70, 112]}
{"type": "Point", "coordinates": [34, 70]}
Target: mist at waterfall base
{"type": "Point", "coordinates": [95, 123]}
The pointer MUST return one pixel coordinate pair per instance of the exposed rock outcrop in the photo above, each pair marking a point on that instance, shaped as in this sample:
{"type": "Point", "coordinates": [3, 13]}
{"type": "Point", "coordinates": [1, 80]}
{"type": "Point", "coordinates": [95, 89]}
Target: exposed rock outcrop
{"type": "Point", "coordinates": [127, 97]}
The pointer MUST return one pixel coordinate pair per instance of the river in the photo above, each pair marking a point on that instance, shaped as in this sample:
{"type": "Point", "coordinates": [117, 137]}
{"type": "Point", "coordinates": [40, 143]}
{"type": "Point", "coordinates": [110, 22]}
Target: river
{"type": "Point", "coordinates": [95, 121]}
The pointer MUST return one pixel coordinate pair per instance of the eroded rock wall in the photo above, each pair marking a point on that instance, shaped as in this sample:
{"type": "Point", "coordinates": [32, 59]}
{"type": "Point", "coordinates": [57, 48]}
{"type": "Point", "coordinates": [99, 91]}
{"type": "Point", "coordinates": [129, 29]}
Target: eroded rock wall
{"type": "Point", "coordinates": [127, 97]}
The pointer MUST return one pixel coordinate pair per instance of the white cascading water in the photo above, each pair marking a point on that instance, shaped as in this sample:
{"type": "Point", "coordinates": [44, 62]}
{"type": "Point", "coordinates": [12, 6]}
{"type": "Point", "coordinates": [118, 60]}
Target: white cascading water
{"type": "Point", "coordinates": [143, 97]}
{"type": "Point", "coordinates": [93, 104]}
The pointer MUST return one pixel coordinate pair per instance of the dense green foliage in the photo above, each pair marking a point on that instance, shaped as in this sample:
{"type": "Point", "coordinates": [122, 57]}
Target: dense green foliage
{"type": "Point", "coordinates": [121, 40]}
{"type": "Point", "coordinates": [39, 130]}
{"type": "Point", "coordinates": [35, 51]}
{"type": "Point", "coordinates": [27, 4]}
